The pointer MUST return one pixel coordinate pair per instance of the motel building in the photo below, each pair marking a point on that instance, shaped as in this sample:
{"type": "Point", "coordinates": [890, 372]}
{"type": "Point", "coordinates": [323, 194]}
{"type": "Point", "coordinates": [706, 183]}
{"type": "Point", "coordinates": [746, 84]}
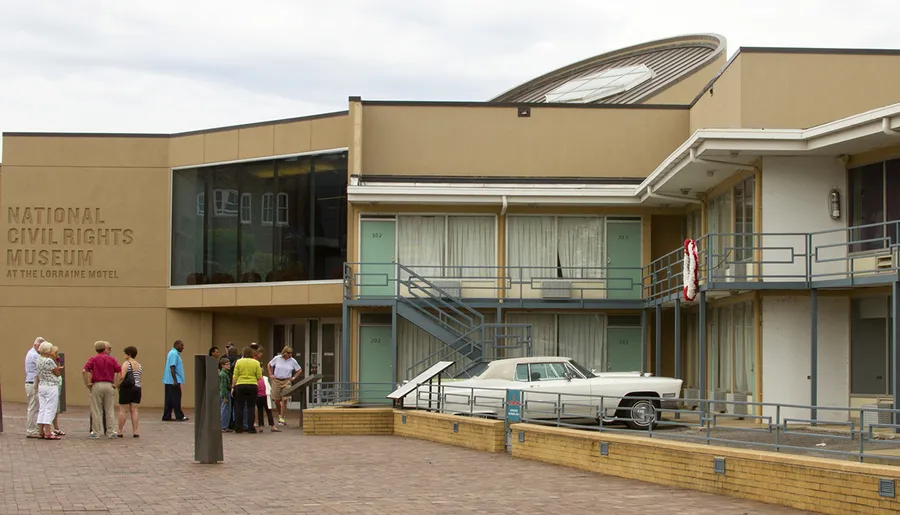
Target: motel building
{"type": "Point", "coordinates": [549, 220]}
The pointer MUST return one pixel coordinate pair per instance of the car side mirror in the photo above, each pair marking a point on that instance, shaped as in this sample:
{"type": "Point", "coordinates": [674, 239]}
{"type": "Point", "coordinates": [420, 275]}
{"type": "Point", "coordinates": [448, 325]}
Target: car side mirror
{"type": "Point", "coordinates": [569, 376]}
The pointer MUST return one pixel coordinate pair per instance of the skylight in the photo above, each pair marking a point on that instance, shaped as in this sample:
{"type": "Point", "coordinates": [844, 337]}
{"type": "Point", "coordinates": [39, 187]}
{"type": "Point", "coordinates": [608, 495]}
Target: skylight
{"type": "Point", "coordinates": [603, 84]}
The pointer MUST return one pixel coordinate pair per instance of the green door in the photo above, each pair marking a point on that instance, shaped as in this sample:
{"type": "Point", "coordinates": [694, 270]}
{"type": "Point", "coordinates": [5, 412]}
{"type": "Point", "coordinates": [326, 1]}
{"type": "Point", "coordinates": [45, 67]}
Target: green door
{"type": "Point", "coordinates": [376, 274]}
{"type": "Point", "coordinates": [376, 370]}
{"type": "Point", "coordinates": [623, 349]}
{"type": "Point", "coordinates": [623, 257]}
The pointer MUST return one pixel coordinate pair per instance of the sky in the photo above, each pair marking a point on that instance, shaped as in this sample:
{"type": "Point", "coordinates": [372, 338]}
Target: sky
{"type": "Point", "coordinates": [178, 65]}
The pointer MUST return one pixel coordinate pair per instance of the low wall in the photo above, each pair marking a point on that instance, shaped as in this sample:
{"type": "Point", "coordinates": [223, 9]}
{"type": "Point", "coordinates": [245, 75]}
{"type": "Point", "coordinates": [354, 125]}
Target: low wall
{"type": "Point", "coordinates": [815, 484]}
{"type": "Point", "coordinates": [348, 421]}
{"type": "Point", "coordinates": [473, 433]}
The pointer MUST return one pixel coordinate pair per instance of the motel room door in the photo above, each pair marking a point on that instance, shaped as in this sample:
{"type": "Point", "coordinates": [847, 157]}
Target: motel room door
{"type": "Point", "coordinates": [623, 349]}
{"type": "Point", "coordinates": [623, 257]}
{"type": "Point", "coordinates": [377, 244]}
{"type": "Point", "coordinates": [376, 369]}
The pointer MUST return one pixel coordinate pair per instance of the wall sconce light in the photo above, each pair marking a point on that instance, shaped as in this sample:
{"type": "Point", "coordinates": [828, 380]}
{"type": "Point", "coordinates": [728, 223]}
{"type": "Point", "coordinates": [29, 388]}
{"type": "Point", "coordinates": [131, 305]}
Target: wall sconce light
{"type": "Point", "coordinates": [834, 204]}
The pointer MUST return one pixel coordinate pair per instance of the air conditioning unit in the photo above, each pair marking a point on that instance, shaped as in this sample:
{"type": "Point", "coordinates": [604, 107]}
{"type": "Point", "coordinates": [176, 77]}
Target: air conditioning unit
{"type": "Point", "coordinates": [452, 287]}
{"type": "Point", "coordinates": [691, 398]}
{"type": "Point", "coordinates": [718, 404]}
{"type": "Point", "coordinates": [736, 409]}
{"type": "Point", "coordinates": [876, 417]}
{"type": "Point", "coordinates": [736, 272]}
{"type": "Point", "coordinates": [556, 289]}
{"type": "Point", "coordinates": [885, 262]}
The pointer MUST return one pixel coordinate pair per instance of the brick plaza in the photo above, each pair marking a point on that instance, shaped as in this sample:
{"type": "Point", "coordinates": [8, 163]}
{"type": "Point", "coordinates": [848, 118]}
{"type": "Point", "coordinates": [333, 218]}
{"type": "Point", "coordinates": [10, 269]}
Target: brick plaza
{"type": "Point", "coordinates": [293, 473]}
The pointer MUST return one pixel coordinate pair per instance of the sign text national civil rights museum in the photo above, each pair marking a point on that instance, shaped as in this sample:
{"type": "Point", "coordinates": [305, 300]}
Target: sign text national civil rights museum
{"type": "Point", "coordinates": [61, 242]}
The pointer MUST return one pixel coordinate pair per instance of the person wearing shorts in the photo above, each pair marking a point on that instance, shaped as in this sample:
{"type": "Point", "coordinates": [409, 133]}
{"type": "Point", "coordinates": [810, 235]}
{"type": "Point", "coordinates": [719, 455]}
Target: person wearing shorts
{"type": "Point", "coordinates": [130, 395]}
{"type": "Point", "coordinates": [283, 370]}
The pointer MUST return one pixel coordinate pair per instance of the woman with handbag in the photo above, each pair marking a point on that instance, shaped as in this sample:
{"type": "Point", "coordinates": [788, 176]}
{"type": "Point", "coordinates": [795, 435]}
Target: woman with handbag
{"type": "Point", "coordinates": [130, 391]}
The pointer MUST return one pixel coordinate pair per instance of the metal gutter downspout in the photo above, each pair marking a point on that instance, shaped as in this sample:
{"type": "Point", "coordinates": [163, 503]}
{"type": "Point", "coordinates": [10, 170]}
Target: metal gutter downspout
{"type": "Point", "coordinates": [886, 128]}
{"type": "Point", "coordinates": [504, 205]}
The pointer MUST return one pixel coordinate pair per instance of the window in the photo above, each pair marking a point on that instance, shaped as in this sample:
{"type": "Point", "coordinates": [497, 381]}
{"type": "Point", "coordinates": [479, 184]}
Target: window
{"type": "Point", "coordinates": [694, 225]}
{"type": "Point", "coordinates": [448, 246]}
{"type": "Point", "coordinates": [225, 202]}
{"type": "Point", "coordinates": [268, 208]}
{"type": "Point", "coordinates": [581, 337]}
{"type": "Point", "coordinates": [246, 211]}
{"type": "Point", "coordinates": [522, 372]}
{"type": "Point", "coordinates": [731, 218]}
{"type": "Point", "coordinates": [874, 190]}
{"type": "Point", "coordinates": [547, 372]}
{"type": "Point", "coordinates": [600, 85]}
{"type": "Point", "coordinates": [732, 344]}
{"type": "Point", "coordinates": [541, 247]}
{"type": "Point", "coordinates": [870, 346]}
{"type": "Point", "coordinates": [301, 234]}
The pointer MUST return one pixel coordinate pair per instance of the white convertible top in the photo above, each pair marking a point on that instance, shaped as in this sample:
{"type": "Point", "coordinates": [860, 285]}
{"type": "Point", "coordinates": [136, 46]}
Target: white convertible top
{"type": "Point", "coordinates": [506, 368]}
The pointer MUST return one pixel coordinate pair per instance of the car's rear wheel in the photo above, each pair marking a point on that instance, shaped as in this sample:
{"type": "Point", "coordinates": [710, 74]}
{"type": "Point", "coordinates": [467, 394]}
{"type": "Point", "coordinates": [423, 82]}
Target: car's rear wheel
{"type": "Point", "coordinates": [640, 414]}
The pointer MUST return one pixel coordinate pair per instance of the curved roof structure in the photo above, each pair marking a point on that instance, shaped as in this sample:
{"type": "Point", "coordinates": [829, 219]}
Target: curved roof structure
{"type": "Point", "coordinates": [627, 76]}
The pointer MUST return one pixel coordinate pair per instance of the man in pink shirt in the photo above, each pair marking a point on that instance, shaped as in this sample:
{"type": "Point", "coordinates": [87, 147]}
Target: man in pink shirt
{"type": "Point", "coordinates": [101, 374]}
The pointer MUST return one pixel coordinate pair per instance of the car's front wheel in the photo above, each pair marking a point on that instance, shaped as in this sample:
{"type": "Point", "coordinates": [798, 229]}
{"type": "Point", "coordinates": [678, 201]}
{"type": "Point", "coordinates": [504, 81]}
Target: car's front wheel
{"type": "Point", "coordinates": [640, 414]}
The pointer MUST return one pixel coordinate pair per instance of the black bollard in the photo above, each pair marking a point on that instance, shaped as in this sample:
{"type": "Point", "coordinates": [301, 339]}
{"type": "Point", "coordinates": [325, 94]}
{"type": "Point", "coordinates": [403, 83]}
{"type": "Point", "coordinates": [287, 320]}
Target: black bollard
{"type": "Point", "coordinates": [207, 413]}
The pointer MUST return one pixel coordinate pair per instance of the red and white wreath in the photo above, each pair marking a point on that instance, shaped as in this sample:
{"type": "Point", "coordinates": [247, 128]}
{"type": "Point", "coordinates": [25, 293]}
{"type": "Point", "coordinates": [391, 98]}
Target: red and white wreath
{"type": "Point", "coordinates": [690, 270]}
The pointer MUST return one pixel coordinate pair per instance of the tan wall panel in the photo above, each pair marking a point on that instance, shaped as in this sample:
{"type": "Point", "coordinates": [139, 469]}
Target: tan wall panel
{"type": "Point", "coordinates": [256, 142]}
{"type": "Point", "coordinates": [331, 132]}
{"type": "Point", "coordinates": [240, 330]}
{"type": "Point", "coordinates": [253, 296]}
{"type": "Point", "coordinates": [667, 235]}
{"type": "Point", "coordinates": [219, 296]}
{"type": "Point", "coordinates": [85, 297]}
{"type": "Point", "coordinates": [292, 138]}
{"type": "Point", "coordinates": [94, 151]}
{"type": "Point", "coordinates": [326, 293]}
{"type": "Point", "coordinates": [290, 294]}
{"type": "Point", "coordinates": [493, 141]}
{"type": "Point", "coordinates": [720, 106]}
{"type": "Point", "coordinates": [685, 91]}
{"type": "Point", "coordinates": [124, 205]}
{"type": "Point", "coordinates": [186, 150]}
{"type": "Point", "coordinates": [221, 146]}
{"type": "Point", "coordinates": [804, 90]}
{"type": "Point", "coordinates": [184, 298]}
{"type": "Point", "coordinates": [74, 330]}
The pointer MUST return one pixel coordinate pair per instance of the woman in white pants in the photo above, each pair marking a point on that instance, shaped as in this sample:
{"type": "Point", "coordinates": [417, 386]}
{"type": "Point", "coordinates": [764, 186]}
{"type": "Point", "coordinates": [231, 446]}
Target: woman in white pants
{"type": "Point", "coordinates": [47, 382]}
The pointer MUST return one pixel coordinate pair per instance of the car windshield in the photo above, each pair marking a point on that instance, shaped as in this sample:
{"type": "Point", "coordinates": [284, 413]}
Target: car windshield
{"type": "Point", "coordinates": [585, 372]}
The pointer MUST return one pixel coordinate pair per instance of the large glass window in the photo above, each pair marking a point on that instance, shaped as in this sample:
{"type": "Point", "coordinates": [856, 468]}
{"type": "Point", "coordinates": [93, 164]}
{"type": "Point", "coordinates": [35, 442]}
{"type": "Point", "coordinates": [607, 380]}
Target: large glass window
{"type": "Point", "coordinates": [267, 221]}
{"type": "Point", "coordinates": [731, 219]}
{"type": "Point", "coordinates": [448, 246]}
{"type": "Point", "coordinates": [874, 195]}
{"type": "Point", "coordinates": [549, 246]}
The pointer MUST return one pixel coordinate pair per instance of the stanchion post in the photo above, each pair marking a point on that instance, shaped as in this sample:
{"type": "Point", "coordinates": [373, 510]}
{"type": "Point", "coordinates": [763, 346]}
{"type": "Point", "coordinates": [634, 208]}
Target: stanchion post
{"type": "Point", "coordinates": [208, 420]}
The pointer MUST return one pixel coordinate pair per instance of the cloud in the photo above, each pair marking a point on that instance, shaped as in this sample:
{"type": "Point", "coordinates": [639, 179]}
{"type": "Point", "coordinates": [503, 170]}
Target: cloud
{"type": "Point", "coordinates": [165, 66]}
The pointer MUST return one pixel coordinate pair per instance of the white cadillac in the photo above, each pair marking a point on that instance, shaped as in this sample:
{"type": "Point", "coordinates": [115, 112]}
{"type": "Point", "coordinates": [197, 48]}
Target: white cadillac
{"type": "Point", "coordinates": [547, 383]}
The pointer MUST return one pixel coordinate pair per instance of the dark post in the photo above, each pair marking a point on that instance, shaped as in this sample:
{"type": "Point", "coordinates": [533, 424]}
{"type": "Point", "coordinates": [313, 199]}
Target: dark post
{"type": "Point", "coordinates": [62, 392]}
{"type": "Point", "coordinates": [704, 394]}
{"type": "Point", "coordinates": [345, 344]}
{"type": "Point", "coordinates": [208, 422]}
{"type": "Point", "coordinates": [814, 352]}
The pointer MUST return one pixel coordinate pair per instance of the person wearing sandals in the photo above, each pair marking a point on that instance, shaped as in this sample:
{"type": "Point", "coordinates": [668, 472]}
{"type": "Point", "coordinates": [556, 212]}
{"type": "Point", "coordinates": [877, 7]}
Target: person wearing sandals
{"type": "Point", "coordinates": [47, 381]}
{"type": "Point", "coordinates": [54, 353]}
{"type": "Point", "coordinates": [130, 391]}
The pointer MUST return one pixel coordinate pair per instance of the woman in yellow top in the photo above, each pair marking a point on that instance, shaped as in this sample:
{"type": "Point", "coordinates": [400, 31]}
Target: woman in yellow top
{"type": "Point", "coordinates": [246, 372]}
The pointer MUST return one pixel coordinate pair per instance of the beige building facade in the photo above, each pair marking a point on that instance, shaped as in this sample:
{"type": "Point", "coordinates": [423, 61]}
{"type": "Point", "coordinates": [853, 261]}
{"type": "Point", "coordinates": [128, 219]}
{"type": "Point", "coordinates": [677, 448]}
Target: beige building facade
{"type": "Point", "coordinates": [549, 220]}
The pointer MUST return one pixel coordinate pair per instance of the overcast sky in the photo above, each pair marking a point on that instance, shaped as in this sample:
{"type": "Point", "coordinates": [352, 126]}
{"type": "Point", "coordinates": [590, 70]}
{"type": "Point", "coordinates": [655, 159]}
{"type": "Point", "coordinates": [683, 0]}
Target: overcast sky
{"type": "Point", "coordinates": [176, 65]}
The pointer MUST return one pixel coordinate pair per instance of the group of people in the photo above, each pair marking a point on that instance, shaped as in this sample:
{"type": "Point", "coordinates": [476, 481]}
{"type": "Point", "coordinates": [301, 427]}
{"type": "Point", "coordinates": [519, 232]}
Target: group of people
{"type": "Point", "coordinates": [243, 385]}
{"type": "Point", "coordinates": [103, 376]}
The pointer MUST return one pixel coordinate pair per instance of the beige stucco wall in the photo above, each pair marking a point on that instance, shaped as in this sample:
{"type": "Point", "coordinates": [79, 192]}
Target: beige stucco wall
{"type": "Point", "coordinates": [686, 90]}
{"type": "Point", "coordinates": [720, 106]}
{"type": "Point", "coordinates": [98, 268]}
{"type": "Point", "coordinates": [482, 140]}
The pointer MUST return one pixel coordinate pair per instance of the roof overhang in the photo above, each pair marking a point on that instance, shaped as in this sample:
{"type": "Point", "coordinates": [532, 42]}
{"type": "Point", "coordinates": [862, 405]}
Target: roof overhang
{"type": "Point", "coordinates": [707, 158]}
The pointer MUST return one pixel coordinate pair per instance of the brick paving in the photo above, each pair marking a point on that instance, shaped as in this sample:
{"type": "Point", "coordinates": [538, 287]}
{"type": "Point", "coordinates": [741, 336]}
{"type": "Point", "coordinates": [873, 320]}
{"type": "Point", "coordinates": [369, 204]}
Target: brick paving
{"type": "Point", "coordinates": [292, 473]}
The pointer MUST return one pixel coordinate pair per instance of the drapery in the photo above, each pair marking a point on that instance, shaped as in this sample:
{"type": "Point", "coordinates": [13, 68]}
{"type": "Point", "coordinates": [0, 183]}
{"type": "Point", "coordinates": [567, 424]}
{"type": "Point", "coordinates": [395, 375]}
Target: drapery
{"type": "Point", "coordinates": [543, 334]}
{"type": "Point", "coordinates": [691, 352]}
{"type": "Point", "coordinates": [744, 355]}
{"type": "Point", "coordinates": [421, 244]}
{"type": "Point", "coordinates": [532, 246]}
{"type": "Point", "coordinates": [414, 344]}
{"type": "Point", "coordinates": [471, 242]}
{"type": "Point", "coordinates": [583, 338]}
{"type": "Point", "coordinates": [581, 247]}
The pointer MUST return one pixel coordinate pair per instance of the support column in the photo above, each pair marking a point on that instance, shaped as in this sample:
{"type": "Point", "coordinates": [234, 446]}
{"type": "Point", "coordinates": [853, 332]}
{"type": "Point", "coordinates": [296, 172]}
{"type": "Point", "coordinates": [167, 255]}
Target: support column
{"type": "Point", "coordinates": [397, 377]}
{"type": "Point", "coordinates": [704, 370]}
{"type": "Point", "coordinates": [345, 343]}
{"type": "Point", "coordinates": [678, 365]}
{"type": "Point", "coordinates": [814, 353]}
{"type": "Point", "coordinates": [895, 347]}
{"type": "Point", "coordinates": [644, 342]}
{"type": "Point", "coordinates": [658, 369]}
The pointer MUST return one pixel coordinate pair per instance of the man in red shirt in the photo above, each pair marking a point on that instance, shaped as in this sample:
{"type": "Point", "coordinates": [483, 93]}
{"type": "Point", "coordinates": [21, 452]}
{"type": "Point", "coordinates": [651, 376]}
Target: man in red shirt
{"type": "Point", "coordinates": [101, 374]}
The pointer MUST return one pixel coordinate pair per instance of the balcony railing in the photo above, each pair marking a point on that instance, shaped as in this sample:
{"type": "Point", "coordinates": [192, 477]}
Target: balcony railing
{"type": "Point", "coordinates": [512, 283]}
{"type": "Point", "coordinates": [849, 256]}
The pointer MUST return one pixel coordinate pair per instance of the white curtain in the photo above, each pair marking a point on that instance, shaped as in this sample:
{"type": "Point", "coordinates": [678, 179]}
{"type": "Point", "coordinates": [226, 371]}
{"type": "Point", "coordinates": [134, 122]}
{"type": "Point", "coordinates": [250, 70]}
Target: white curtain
{"type": "Point", "coordinates": [582, 338]}
{"type": "Point", "coordinates": [532, 246]}
{"type": "Point", "coordinates": [744, 349]}
{"type": "Point", "coordinates": [726, 348]}
{"type": "Point", "coordinates": [421, 244]}
{"type": "Point", "coordinates": [713, 347]}
{"type": "Point", "coordinates": [691, 352]}
{"type": "Point", "coordinates": [581, 247]}
{"type": "Point", "coordinates": [543, 334]}
{"type": "Point", "coordinates": [414, 345]}
{"type": "Point", "coordinates": [472, 242]}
